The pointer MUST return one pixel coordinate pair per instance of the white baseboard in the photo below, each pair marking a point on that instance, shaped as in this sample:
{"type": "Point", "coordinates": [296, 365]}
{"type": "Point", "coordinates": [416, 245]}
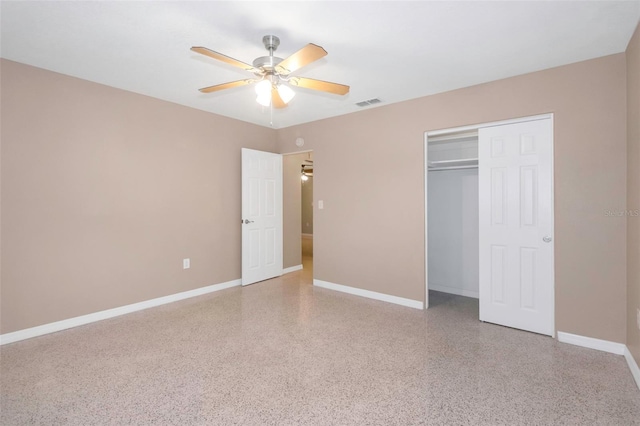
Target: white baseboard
{"type": "Point", "coordinates": [370, 294]}
{"type": "Point", "coordinates": [307, 236]}
{"type": "Point", "coordinates": [590, 342]}
{"type": "Point", "coordinates": [633, 366]}
{"type": "Point", "coordinates": [110, 313]}
{"type": "Point", "coordinates": [291, 269]}
{"type": "Point", "coordinates": [454, 290]}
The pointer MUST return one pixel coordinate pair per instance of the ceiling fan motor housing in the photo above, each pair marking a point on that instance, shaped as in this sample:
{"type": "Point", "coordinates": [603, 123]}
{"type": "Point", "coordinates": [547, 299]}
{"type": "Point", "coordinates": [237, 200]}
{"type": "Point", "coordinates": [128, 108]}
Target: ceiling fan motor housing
{"type": "Point", "coordinates": [268, 63]}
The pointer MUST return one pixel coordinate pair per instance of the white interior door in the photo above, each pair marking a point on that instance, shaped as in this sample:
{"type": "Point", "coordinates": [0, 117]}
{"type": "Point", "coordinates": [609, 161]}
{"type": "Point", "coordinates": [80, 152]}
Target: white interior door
{"type": "Point", "coordinates": [261, 215]}
{"type": "Point", "coordinates": [516, 225]}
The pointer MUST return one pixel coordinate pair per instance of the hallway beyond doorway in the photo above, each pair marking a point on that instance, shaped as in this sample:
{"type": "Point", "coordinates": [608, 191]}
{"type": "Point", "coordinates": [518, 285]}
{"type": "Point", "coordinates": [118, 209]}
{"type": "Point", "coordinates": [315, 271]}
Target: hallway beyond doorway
{"type": "Point", "coordinates": [307, 256]}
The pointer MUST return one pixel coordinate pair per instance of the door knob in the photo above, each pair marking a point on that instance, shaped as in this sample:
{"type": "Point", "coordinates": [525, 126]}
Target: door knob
{"type": "Point", "coordinates": [547, 238]}
{"type": "Point", "coordinates": [247, 221]}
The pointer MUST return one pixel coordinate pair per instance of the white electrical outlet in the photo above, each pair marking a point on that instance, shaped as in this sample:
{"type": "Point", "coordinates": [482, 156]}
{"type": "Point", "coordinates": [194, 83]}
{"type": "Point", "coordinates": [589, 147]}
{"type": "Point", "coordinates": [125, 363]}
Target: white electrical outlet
{"type": "Point", "coordinates": [186, 263]}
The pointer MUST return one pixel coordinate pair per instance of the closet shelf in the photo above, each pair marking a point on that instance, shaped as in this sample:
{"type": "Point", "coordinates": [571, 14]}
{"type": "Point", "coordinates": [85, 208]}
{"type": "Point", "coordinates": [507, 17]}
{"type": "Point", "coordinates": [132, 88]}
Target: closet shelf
{"type": "Point", "coordinates": [459, 163]}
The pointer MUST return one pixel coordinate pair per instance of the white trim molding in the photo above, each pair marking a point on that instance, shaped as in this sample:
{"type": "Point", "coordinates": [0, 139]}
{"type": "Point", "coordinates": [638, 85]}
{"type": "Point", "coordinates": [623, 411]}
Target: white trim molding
{"type": "Point", "coordinates": [291, 269]}
{"type": "Point", "coordinates": [416, 304]}
{"type": "Point", "coordinates": [590, 342]}
{"type": "Point", "coordinates": [53, 327]}
{"type": "Point", "coordinates": [474, 127]}
{"type": "Point", "coordinates": [633, 366]}
{"type": "Point", "coordinates": [454, 290]}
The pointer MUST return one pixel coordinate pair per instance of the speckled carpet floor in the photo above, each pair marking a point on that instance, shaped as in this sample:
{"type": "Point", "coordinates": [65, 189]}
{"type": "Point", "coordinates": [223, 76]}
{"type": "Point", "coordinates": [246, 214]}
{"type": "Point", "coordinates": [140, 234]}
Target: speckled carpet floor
{"type": "Point", "coordinates": [283, 352]}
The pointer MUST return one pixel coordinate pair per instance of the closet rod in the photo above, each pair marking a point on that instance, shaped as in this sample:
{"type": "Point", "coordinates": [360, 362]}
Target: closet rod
{"type": "Point", "coordinates": [439, 169]}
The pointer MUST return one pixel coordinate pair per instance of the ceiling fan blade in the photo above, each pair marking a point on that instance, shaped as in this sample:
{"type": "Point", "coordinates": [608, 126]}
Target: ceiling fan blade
{"type": "Point", "coordinates": [224, 58]}
{"type": "Point", "coordinates": [223, 86]}
{"type": "Point", "coordinates": [324, 86]}
{"type": "Point", "coordinates": [302, 57]}
{"type": "Point", "coordinates": [276, 100]}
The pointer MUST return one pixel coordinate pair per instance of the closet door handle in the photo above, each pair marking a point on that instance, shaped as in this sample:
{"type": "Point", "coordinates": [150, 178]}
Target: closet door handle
{"type": "Point", "coordinates": [547, 238]}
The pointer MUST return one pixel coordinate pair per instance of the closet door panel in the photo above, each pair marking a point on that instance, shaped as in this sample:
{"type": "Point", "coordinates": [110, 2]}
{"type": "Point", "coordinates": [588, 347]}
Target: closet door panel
{"type": "Point", "coordinates": [516, 225]}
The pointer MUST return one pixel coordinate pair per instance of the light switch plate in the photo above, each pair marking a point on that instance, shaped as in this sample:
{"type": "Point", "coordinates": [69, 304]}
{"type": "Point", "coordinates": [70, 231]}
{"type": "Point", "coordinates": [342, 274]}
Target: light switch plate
{"type": "Point", "coordinates": [186, 263]}
{"type": "Point", "coordinates": [320, 204]}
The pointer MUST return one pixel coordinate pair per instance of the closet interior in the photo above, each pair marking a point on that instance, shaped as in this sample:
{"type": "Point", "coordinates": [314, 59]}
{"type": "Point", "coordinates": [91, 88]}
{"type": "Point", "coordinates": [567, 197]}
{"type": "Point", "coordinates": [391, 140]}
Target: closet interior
{"type": "Point", "coordinates": [452, 213]}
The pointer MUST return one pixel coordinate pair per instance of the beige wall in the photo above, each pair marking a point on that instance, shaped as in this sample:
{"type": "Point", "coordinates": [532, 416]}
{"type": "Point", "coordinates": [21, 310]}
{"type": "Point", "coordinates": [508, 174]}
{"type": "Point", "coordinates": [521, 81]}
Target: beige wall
{"type": "Point", "coordinates": [104, 192]}
{"type": "Point", "coordinates": [307, 206]}
{"type": "Point", "coordinates": [292, 210]}
{"type": "Point", "coordinates": [633, 193]}
{"type": "Point", "coordinates": [371, 233]}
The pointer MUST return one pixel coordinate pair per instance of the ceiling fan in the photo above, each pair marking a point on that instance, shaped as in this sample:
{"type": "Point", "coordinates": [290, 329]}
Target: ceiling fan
{"type": "Point", "coordinates": [272, 73]}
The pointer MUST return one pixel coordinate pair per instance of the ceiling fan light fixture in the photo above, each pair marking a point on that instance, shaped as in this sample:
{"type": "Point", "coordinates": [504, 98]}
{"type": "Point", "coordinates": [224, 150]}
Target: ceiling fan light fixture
{"type": "Point", "coordinates": [264, 100]}
{"type": "Point", "coordinates": [286, 93]}
{"type": "Point", "coordinates": [263, 88]}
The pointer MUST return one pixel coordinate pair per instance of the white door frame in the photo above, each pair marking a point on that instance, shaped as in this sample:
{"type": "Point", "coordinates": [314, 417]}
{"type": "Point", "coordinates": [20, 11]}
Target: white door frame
{"type": "Point", "coordinates": [470, 128]}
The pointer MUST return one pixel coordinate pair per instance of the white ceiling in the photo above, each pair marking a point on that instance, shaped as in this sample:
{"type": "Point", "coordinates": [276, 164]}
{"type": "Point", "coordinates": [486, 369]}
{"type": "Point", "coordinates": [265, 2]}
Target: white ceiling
{"type": "Point", "coordinates": [390, 50]}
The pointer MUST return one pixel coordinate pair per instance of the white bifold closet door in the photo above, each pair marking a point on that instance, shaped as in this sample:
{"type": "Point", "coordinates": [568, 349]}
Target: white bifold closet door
{"type": "Point", "coordinates": [516, 225]}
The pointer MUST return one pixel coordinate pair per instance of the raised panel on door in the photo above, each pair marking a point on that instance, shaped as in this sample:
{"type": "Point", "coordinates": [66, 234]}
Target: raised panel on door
{"type": "Point", "coordinates": [254, 249]}
{"type": "Point", "coordinates": [270, 246]}
{"type": "Point", "coordinates": [498, 196]}
{"type": "Point", "coordinates": [529, 196]}
{"type": "Point", "coordinates": [270, 197]}
{"type": "Point", "coordinates": [254, 197]}
{"type": "Point", "coordinates": [528, 266]}
{"type": "Point", "coordinates": [498, 275]}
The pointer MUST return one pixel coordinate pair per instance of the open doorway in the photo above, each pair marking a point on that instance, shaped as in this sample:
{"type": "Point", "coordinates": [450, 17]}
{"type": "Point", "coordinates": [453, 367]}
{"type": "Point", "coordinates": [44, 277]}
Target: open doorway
{"type": "Point", "coordinates": [452, 213]}
{"type": "Point", "coordinates": [298, 175]}
{"type": "Point", "coordinates": [306, 180]}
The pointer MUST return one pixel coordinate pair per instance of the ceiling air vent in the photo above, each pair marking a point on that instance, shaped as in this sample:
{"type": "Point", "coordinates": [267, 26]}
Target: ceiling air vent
{"type": "Point", "coordinates": [369, 102]}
